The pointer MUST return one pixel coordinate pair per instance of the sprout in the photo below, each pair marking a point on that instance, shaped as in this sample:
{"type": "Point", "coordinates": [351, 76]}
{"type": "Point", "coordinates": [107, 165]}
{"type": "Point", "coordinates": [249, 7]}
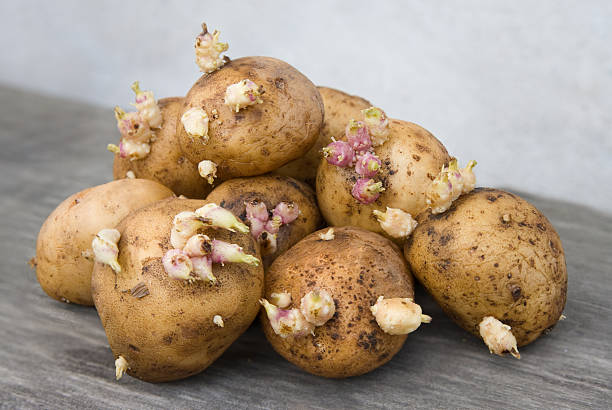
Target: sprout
{"type": "Point", "coordinates": [318, 307]}
{"type": "Point", "coordinates": [218, 217]}
{"type": "Point", "coordinates": [285, 322]}
{"type": "Point", "coordinates": [130, 149]}
{"type": "Point", "coordinates": [228, 252]}
{"type": "Point", "coordinates": [398, 316]}
{"type": "Point", "coordinates": [242, 94]}
{"type": "Point", "coordinates": [498, 337]}
{"type": "Point", "coordinates": [105, 248]}
{"type": "Point", "coordinates": [367, 165]}
{"type": "Point", "coordinates": [195, 123]}
{"type": "Point", "coordinates": [469, 178]}
{"type": "Point", "coordinates": [208, 170]}
{"type": "Point", "coordinates": [327, 236]}
{"type": "Point", "coordinates": [177, 264]}
{"type": "Point", "coordinates": [288, 212]}
{"type": "Point", "coordinates": [218, 320]}
{"type": "Point", "coordinates": [147, 106]}
{"type": "Point", "coordinates": [208, 49]}
{"type": "Point", "coordinates": [366, 190]}
{"type": "Point", "coordinates": [357, 136]}
{"type": "Point", "coordinates": [184, 226]}
{"type": "Point", "coordinates": [339, 153]}
{"type": "Point", "coordinates": [198, 245]}
{"type": "Point", "coordinates": [395, 222]}
{"type": "Point", "coordinates": [257, 215]}
{"type": "Point", "coordinates": [282, 299]}
{"type": "Point", "coordinates": [378, 125]}
{"type": "Point", "coordinates": [439, 195]}
{"type": "Point", "coordinates": [121, 366]}
{"type": "Point", "coordinates": [132, 126]}
{"type": "Point", "coordinates": [130, 174]}
{"type": "Point", "coordinates": [202, 267]}
{"type": "Point", "coordinates": [267, 243]}
{"type": "Point", "coordinates": [274, 224]}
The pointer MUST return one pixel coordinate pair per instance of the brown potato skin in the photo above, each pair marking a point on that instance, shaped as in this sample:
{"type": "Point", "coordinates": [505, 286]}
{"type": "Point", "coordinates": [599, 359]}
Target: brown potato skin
{"type": "Point", "coordinates": [340, 108]}
{"type": "Point", "coordinates": [356, 267]}
{"type": "Point", "coordinates": [62, 270]}
{"type": "Point", "coordinates": [411, 158]}
{"type": "Point", "coordinates": [262, 137]}
{"type": "Point", "coordinates": [169, 334]}
{"type": "Point", "coordinates": [272, 189]}
{"type": "Point", "coordinates": [475, 264]}
{"type": "Point", "coordinates": [166, 163]}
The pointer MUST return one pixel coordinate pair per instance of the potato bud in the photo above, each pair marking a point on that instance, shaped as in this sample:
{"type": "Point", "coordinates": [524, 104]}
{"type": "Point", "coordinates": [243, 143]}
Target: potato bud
{"type": "Point", "coordinates": [287, 322]}
{"type": "Point", "coordinates": [328, 235]}
{"type": "Point", "coordinates": [218, 320]}
{"type": "Point", "coordinates": [198, 245]}
{"type": "Point", "coordinates": [208, 49]}
{"type": "Point", "coordinates": [105, 249]}
{"type": "Point", "coordinates": [130, 149]}
{"type": "Point", "coordinates": [202, 267]}
{"type": "Point", "coordinates": [274, 224]}
{"type": "Point", "coordinates": [132, 126]}
{"type": "Point", "coordinates": [184, 226]}
{"type": "Point", "coordinates": [121, 366]}
{"type": "Point", "coordinates": [469, 178]}
{"type": "Point", "coordinates": [357, 136]}
{"type": "Point", "coordinates": [398, 316]}
{"type": "Point", "coordinates": [242, 94]}
{"type": "Point", "coordinates": [339, 153]}
{"type": "Point", "coordinates": [256, 210]}
{"type": "Point", "coordinates": [450, 183]}
{"type": "Point", "coordinates": [195, 122]}
{"type": "Point", "coordinates": [378, 125]}
{"type": "Point", "coordinates": [366, 190]}
{"type": "Point", "coordinates": [498, 337]}
{"type": "Point", "coordinates": [147, 106]}
{"type": "Point", "coordinates": [177, 264]}
{"type": "Point", "coordinates": [288, 212]}
{"type": "Point", "coordinates": [395, 222]}
{"type": "Point", "coordinates": [318, 307]}
{"type": "Point", "coordinates": [282, 300]}
{"type": "Point", "coordinates": [267, 243]}
{"type": "Point", "coordinates": [219, 217]}
{"type": "Point", "coordinates": [367, 165]}
{"type": "Point", "coordinates": [208, 170]}
{"type": "Point", "coordinates": [228, 252]}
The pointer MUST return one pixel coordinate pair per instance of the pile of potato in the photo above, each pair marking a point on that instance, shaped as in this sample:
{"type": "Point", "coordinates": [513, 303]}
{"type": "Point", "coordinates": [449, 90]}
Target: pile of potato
{"type": "Point", "coordinates": [212, 215]}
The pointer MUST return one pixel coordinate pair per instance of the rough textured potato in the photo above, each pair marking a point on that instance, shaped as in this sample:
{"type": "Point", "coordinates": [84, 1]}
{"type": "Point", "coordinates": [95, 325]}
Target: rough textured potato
{"type": "Point", "coordinates": [63, 249]}
{"type": "Point", "coordinates": [272, 189]}
{"type": "Point", "coordinates": [261, 137]}
{"type": "Point", "coordinates": [355, 268]}
{"type": "Point", "coordinates": [411, 159]}
{"type": "Point", "coordinates": [166, 163]}
{"type": "Point", "coordinates": [492, 254]}
{"type": "Point", "coordinates": [340, 108]}
{"type": "Point", "coordinates": [169, 334]}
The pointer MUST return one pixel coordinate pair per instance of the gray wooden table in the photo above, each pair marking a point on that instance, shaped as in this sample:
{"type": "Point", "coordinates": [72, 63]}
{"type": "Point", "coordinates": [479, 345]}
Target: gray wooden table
{"type": "Point", "coordinates": [56, 355]}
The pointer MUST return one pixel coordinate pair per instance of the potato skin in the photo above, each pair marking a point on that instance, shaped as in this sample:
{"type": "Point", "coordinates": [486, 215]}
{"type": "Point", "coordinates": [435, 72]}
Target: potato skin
{"type": "Point", "coordinates": [169, 334]}
{"type": "Point", "coordinates": [261, 137]}
{"type": "Point", "coordinates": [476, 264]}
{"type": "Point", "coordinates": [166, 163]}
{"type": "Point", "coordinates": [340, 108]}
{"type": "Point", "coordinates": [411, 158]}
{"type": "Point", "coordinates": [63, 272]}
{"type": "Point", "coordinates": [272, 189]}
{"type": "Point", "coordinates": [356, 267]}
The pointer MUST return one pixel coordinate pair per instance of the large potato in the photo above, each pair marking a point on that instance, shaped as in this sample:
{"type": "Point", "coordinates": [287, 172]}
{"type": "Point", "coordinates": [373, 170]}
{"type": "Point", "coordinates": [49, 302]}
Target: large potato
{"type": "Point", "coordinates": [340, 107]}
{"type": "Point", "coordinates": [169, 333]}
{"type": "Point", "coordinates": [63, 249]}
{"type": "Point", "coordinates": [411, 158]}
{"type": "Point", "coordinates": [166, 163]}
{"type": "Point", "coordinates": [492, 254]}
{"type": "Point", "coordinates": [261, 137]}
{"type": "Point", "coordinates": [271, 190]}
{"type": "Point", "coordinates": [356, 267]}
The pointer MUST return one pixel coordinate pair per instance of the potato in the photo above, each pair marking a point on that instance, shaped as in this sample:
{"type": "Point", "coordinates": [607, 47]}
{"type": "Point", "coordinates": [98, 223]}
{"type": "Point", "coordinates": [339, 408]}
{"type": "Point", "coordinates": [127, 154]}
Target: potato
{"type": "Point", "coordinates": [64, 259]}
{"type": "Point", "coordinates": [258, 138]}
{"type": "Point", "coordinates": [165, 329]}
{"type": "Point", "coordinates": [340, 107]}
{"type": "Point", "coordinates": [410, 159]}
{"type": "Point", "coordinates": [271, 190]}
{"type": "Point", "coordinates": [166, 163]}
{"type": "Point", "coordinates": [355, 267]}
{"type": "Point", "coordinates": [492, 254]}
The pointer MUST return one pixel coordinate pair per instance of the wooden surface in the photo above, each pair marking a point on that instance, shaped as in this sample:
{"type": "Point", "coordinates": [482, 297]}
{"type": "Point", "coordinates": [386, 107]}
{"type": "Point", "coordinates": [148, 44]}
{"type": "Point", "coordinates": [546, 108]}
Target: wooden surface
{"type": "Point", "coordinates": [55, 355]}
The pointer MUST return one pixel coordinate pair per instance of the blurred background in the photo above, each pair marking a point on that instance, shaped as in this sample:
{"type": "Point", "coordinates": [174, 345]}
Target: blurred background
{"type": "Point", "coordinates": [523, 87]}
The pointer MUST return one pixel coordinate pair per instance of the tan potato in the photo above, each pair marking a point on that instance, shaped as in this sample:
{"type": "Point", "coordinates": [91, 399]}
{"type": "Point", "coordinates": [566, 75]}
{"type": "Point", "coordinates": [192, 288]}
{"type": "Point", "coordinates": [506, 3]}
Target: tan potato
{"type": "Point", "coordinates": [355, 267]}
{"type": "Point", "coordinates": [64, 259]}
{"type": "Point", "coordinates": [259, 138]}
{"type": "Point", "coordinates": [171, 333]}
{"type": "Point", "coordinates": [492, 254]}
{"type": "Point", "coordinates": [166, 163]}
{"type": "Point", "coordinates": [411, 158]}
{"type": "Point", "coordinates": [271, 190]}
{"type": "Point", "coordinates": [340, 107]}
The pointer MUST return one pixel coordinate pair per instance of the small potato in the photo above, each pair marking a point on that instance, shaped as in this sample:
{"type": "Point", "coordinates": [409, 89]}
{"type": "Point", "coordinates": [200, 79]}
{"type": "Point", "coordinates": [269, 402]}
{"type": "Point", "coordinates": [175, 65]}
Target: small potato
{"type": "Point", "coordinates": [235, 194]}
{"type": "Point", "coordinates": [64, 256]}
{"type": "Point", "coordinates": [340, 107]}
{"type": "Point", "coordinates": [254, 139]}
{"type": "Point", "coordinates": [492, 254]}
{"type": "Point", "coordinates": [355, 267]}
{"type": "Point", "coordinates": [166, 163]}
{"type": "Point", "coordinates": [163, 329]}
{"type": "Point", "coordinates": [410, 159]}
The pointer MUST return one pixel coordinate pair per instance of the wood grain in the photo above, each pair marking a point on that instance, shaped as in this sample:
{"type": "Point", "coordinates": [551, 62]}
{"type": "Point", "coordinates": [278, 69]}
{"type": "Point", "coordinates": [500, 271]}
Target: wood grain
{"type": "Point", "coordinates": [54, 355]}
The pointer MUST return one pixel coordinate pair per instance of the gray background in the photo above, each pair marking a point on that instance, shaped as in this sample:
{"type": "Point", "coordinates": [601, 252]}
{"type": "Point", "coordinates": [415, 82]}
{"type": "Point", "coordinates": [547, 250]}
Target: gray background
{"type": "Point", "coordinates": [523, 87]}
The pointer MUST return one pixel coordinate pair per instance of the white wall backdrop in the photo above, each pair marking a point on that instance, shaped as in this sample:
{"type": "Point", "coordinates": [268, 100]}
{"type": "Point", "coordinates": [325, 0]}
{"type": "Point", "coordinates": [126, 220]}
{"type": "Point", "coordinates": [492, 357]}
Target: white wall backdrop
{"type": "Point", "coordinates": [524, 87]}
